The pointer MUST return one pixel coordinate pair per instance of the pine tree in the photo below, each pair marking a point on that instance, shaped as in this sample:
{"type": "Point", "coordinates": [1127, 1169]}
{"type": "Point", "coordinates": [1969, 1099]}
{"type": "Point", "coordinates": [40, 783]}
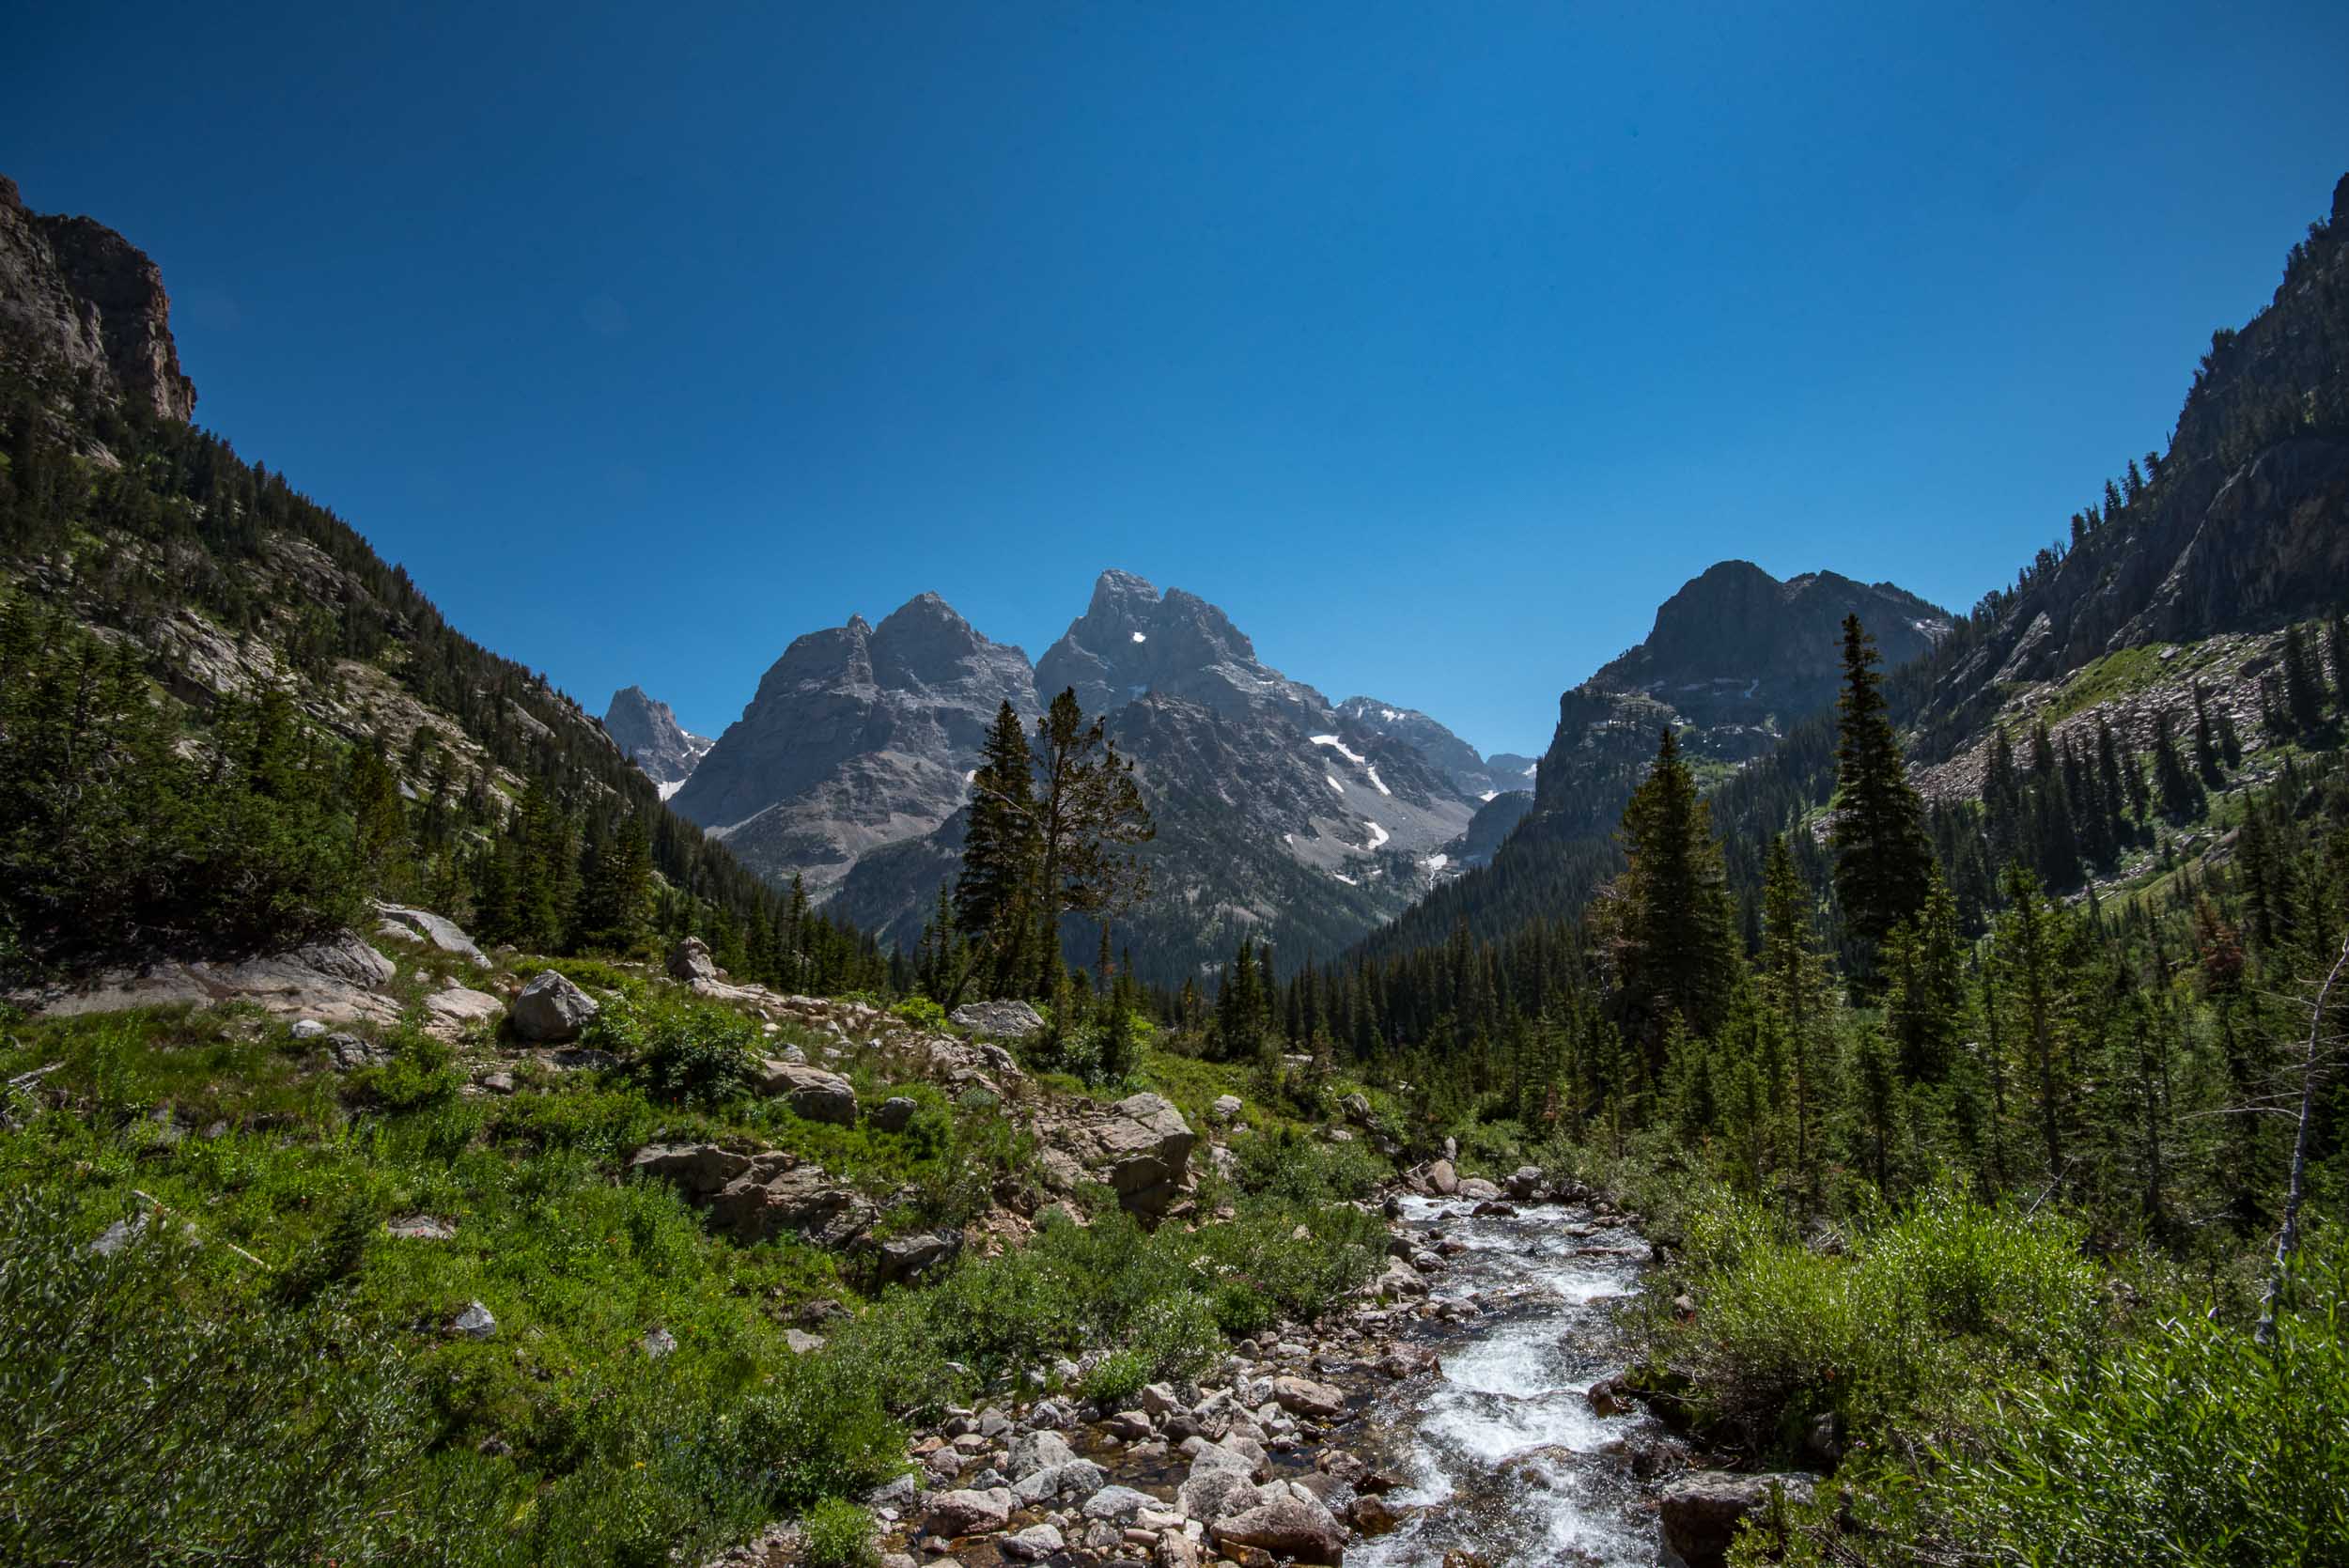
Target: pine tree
{"type": "Point", "coordinates": [1090, 817]}
{"type": "Point", "coordinates": [2030, 961]}
{"type": "Point", "coordinates": [1926, 989]}
{"type": "Point", "coordinates": [1882, 856]}
{"type": "Point", "coordinates": [994, 895]}
{"type": "Point", "coordinates": [1674, 925]}
{"type": "Point", "coordinates": [2181, 795]}
{"type": "Point", "coordinates": [1792, 983]}
{"type": "Point", "coordinates": [2304, 684]}
{"type": "Point", "coordinates": [2337, 647]}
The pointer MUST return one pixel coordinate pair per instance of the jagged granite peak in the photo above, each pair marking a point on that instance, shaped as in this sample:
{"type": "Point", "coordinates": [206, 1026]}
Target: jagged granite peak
{"type": "Point", "coordinates": [1132, 640]}
{"type": "Point", "coordinates": [649, 735]}
{"type": "Point", "coordinates": [859, 735]}
{"type": "Point", "coordinates": [73, 290]}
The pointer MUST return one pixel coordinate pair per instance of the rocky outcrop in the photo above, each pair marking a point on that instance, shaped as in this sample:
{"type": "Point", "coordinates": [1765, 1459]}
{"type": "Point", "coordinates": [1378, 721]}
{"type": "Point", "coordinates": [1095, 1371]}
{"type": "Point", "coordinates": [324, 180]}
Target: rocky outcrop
{"type": "Point", "coordinates": [1001, 1021]}
{"type": "Point", "coordinates": [1140, 1147]}
{"type": "Point", "coordinates": [337, 980]}
{"type": "Point", "coordinates": [759, 1196]}
{"type": "Point", "coordinates": [425, 926]}
{"type": "Point", "coordinates": [1699, 1512]}
{"type": "Point", "coordinates": [647, 733]}
{"type": "Point", "coordinates": [72, 291]}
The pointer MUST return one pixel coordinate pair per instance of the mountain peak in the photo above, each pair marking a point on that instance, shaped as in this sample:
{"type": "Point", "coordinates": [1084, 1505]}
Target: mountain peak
{"type": "Point", "coordinates": [649, 735]}
{"type": "Point", "coordinates": [73, 290]}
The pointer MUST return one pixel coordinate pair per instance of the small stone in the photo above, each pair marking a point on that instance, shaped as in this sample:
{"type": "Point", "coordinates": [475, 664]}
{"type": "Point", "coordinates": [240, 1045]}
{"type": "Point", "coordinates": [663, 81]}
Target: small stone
{"type": "Point", "coordinates": [1034, 1544]}
{"type": "Point", "coordinates": [420, 1227]}
{"type": "Point", "coordinates": [658, 1342]}
{"type": "Point", "coordinates": [474, 1322]}
{"type": "Point", "coordinates": [801, 1343]}
{"type": "Point", "coordinates": [307, 1029]}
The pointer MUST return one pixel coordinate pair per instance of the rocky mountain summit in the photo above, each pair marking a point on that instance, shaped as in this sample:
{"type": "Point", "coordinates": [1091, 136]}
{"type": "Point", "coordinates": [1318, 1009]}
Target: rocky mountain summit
{"type": "Point", "coordinates": [1735, 658]}
{"type": "Point", "coordinates": [647, 732]}
{"type": "Point", "coordinates": [72, 291]}
{"type": "Point", "coordinates": [859, 737]}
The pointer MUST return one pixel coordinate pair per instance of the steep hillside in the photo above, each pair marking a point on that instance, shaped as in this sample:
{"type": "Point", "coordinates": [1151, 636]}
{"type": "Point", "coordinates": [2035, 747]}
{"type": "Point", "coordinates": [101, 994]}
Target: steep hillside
{"type": "Point", "coordinates": [263, 632]}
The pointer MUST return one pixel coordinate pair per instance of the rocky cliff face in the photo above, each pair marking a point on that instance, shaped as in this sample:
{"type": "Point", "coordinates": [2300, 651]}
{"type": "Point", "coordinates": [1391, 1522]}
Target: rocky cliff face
{"type": "Point", "coordinates": [859, 737]}
{"type": "Point", "coordinates": [1735, 657]}
{"type": "Point", "coordinates": [649, 735]}
{"type": "Point", "coordinates": [73, 291]}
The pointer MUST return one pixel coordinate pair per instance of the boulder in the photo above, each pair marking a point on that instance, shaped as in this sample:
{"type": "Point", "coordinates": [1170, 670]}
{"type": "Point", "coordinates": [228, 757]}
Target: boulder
{"type": "Point", "coordinates": [658, 1342]}
{"type": "Point", "coordinates": [1443, 1178]}
{"type": "Point", "coordinates": [1477, 1189]}
{"type": "Point", "coordinates": [1079, 1477]}
{"type": "Point", "coordinates": [1356, 1108]}
{"type": "Point", "coordinates": [551, 1010]}
{"type": "Point", "coordinates": [1295, 1525]}
{"type": "Point", "coordinates": [433, 929]}
{"type": "Point", "coordinates": [1040, 1450]}
{"type": "Point", "coordinates": [1004, 1020]}
{"type": "Point", "coordinates": [1212, 1492]}
{"type": "Point", "coordinates": [475, 1323]}
{"type": "Point", "coordinates": [1226, 1109]}
{"type": "Point", "coordinates": [757, 1197]}
{"type": "Point", "coordinates": [952, 1515]}
{"type": "Point", "coordinates": [1400, 1280]}
{"type": "Point", "coordinates": [895, 1114]}
{"type": "Point", "coordinates": [1524, 1182]}
{"type": "Point", "coordinates": [1699, 1512]}
{"type": "Point", "coordinates": [452, 1009]}
{"type": "Point", "coordinates": [349, 1053]}
{"type": "Point", "coordinates": [811, 1092]}
{"type": "Point", "coordinates": [1121, 1503]}
{"type": "Point", "coordinates": [1141, 1146]}
{"type": "Point", "coordinates": [1302, 1396]}
{"type": "Point", "coordinates": [690, 960]}
{"type": "Point", "coordinates": [1034, 1544]}
{"type": "Point", "coordinates": [909, 1257]}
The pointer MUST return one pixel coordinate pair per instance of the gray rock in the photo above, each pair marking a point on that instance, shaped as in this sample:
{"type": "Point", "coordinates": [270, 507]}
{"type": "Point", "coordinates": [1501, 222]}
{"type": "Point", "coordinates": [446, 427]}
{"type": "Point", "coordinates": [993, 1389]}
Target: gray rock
{"type": "Point", "coordinates": [1032, 1545]}
{"type": "Point", "coordinates": [909, 1257]}
{"type": "Point", "coordinates": [420, 1227]}
{"type": "Point", "coordinates": [690, 960]}
{"type": "Point", "coordinates": [895, 1114]}
{"type": "Point", "coordinates": [119, 1235]}
{"type": "Point", "coordinates": [441, 933]}
{"type": "Point", "coordinates": [1120, 1503]}
{"type": "Point", "coordinates": [647, 733]}
{"type": "Point", "coordinates": [1442, 1178]}
{"type": "Point", "coordinates": [474, 1322]}
{"type": "Point", "coordinates": [349, 1053]}
{"type": "Point", "coordinates": [1699, 1512]}
{"type": "Point", "coordinates": [1004, 1020]}
{"type": "Point", "coordinates": [1226, 1108]}
{"type": "Point", "coordinates": [306, 1029]}
{"type": "Point", "coordinates": [453, 1009]}
{"type": "Point", "coordinates": [801, 1343]}
{"type": "Point", "coordinates": [1524, 1182]}
{"type": "Point", "coordinates": [658, 1342]}
{"type": "Point", "coordinates": [1079, 1477]}
{"type": "Point", "coordinates": [1045, 1450]}
{"type": "Point", "coordinates": [897, 1493]}
{"type": "Point", "coordinates": [811, 1092]}
{"type": "Point", "coordinates": [551, 1010]}
{"type": "Point", "coordinates": [1477, 1189]}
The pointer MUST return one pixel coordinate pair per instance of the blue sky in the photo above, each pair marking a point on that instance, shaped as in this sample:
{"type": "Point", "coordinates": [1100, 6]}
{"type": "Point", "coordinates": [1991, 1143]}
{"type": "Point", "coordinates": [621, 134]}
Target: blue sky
{"type": "Point", "coordinates": [1438, 344]}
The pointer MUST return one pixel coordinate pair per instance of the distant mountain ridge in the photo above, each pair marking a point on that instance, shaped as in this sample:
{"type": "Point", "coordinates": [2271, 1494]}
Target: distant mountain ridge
{"type": "Point", "coordinates": [1281, 816]}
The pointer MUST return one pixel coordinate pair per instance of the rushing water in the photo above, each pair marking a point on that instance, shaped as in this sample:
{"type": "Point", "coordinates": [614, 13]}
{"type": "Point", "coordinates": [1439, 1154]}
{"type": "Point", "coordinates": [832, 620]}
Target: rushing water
{"type": "Point", "coordinates": [1503, 1455]}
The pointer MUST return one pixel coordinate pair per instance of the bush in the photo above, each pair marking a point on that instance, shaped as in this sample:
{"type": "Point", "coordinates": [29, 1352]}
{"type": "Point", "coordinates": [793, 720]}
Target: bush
{"type": "Point", "coordinates": [1116, 1378]}
{"type": "Point", "coordinates": [922, 1012]}
{"type": "Point", "coordinates": [2191, 1444]}
{"type": "Point", "coordinates": [839, 1535]}
{"type": "Point", "coordinates": [681, 1052]}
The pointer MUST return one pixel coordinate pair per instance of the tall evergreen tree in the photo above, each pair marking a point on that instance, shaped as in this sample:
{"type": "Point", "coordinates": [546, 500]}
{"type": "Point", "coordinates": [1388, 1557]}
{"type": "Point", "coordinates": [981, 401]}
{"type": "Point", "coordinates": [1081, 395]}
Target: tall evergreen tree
{"type": "Point", "coordinates": [1090, 817]}
{"type": "Point", "coordinates": [994, 896]}
{"type": "Point", "coordinates": [1882, 855]}
{"type": "Point", "coordinates": [1674, 922]}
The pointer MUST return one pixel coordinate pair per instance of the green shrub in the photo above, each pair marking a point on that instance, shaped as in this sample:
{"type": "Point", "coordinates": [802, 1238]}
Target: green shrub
{"type": "Point", "coordinates": [681, 1052]}
{"type": "Point", "coordinates": [922, 1012]}
{"type": "Point", "coordinates": [839, 1535]}
{"type": "Point", "coordinates": [1116, 1378]}
{"type": "Point", "coordinates": [2192, 1444]}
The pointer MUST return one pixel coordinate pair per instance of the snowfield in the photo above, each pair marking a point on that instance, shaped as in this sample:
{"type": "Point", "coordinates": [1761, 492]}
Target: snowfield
{"type": "Point", "coordinates": [1338, 746]}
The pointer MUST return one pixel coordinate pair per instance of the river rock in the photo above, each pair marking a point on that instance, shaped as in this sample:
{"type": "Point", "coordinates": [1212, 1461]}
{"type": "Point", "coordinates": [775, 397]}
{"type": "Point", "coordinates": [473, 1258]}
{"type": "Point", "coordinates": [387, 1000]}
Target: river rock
{"type": "Point", "coordinates": [1302, 1396]}
{"type": "Point", "coordinates": [1043, 1450]}
{"type": "Point", "coordinates": [1121, 1503]}
{"type": "Point", "coordinates": [1295, 1526]}
{"type": "Point", "coordinates": [551, 1009]}
{"type": "Point", "coordinates": [811, 1092]}
{"type": "Point", "coordinates": [966, 1512]}
{"type": "Point", "coordinates": [1699, 1511]}
{"type": "Point", "coordinates": [1477, 1189]}
{"type": "Point", "coordinates": [1443, 1178]}
{"type": "Point", "coordinates": [1034, 1544]}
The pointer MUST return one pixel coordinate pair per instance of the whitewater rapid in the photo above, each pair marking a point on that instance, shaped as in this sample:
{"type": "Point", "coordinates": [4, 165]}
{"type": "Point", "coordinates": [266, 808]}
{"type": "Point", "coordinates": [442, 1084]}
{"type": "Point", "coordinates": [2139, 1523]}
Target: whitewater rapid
{"type": "Point", "coordinates": [1503, 1456]}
